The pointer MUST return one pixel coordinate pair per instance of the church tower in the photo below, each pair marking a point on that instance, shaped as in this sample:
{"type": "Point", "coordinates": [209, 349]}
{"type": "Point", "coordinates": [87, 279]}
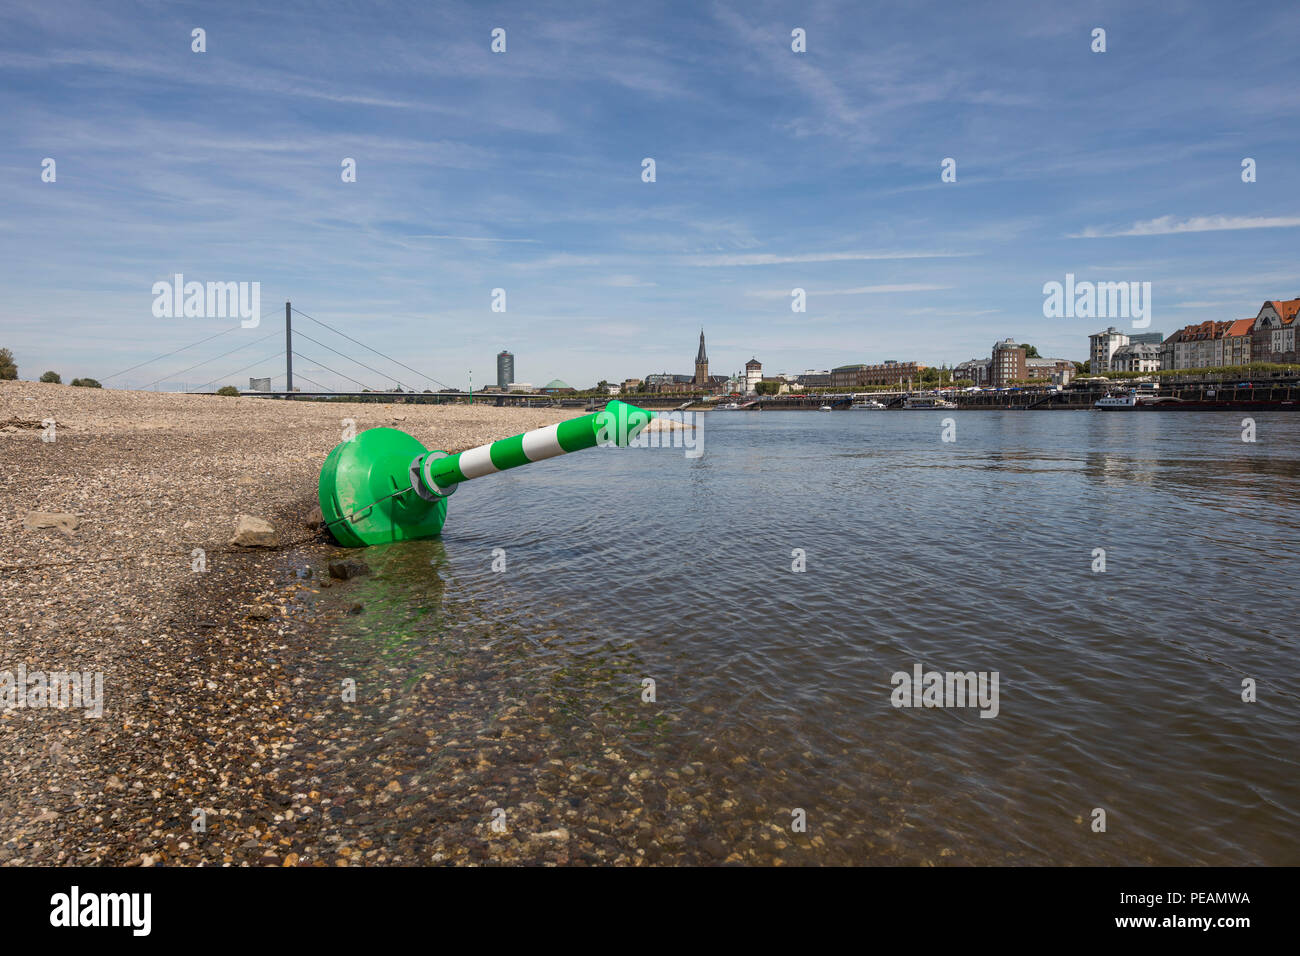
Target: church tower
{"type": "Point", "coordinates": [701, 364]}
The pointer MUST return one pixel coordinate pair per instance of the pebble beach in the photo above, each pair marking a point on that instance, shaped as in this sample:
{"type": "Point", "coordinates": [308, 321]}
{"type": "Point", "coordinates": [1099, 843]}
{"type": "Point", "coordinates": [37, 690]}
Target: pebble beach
{"type": "Point", "coordinates": [116, 558]}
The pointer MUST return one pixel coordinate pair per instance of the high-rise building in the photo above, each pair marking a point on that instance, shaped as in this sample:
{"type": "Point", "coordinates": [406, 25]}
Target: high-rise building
{"type": "Point", "coordinates": [505, 370]}
{"type": "Point", "coordinates": [701, 364]}
{"type": "Point", "coordinates": [1101, 346]}
{"type": "Point", "coordinates": [1007, 364]}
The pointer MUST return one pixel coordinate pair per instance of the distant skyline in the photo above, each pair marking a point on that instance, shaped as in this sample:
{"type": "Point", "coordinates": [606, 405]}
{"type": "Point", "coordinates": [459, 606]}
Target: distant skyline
{"type": "Point", "coordinates": [522, 171]}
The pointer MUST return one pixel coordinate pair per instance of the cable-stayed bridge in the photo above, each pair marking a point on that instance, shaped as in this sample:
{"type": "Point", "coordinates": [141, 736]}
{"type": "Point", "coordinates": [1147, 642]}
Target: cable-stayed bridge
{"type": "Point", "coordinates": [403, 384]}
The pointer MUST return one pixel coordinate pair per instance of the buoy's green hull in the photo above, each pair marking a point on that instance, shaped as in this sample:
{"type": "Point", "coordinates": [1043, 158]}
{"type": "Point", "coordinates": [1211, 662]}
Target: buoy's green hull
{"type": "Point", "coordinates": [371, 468]}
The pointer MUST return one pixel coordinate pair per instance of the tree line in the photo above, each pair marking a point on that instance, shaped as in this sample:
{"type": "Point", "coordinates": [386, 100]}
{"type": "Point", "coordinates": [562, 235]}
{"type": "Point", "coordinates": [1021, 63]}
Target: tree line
{"type": "Point", "coordinates": [9, 373]}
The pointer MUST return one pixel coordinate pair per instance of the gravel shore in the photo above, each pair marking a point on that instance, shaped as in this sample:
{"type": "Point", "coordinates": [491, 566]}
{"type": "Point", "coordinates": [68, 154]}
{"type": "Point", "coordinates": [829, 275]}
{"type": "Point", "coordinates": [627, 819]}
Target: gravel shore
{"type": "Point", "coordinates": [206, 660]}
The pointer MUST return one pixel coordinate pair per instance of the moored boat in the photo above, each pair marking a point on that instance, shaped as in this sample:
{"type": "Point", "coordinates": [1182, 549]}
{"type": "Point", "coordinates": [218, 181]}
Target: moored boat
{"type": "Point", "coordinates": [1118, 401]}
{"type": "Point", "coordinates": [927, 402]}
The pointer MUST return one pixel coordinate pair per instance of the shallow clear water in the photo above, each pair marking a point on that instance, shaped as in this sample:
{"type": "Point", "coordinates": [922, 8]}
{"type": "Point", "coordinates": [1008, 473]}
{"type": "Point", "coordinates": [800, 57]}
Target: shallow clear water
{"type": "Point", "coordinates": [1118, 690]}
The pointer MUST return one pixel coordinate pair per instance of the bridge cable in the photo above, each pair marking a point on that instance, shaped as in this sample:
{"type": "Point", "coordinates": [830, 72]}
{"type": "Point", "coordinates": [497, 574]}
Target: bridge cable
{"type": "Point", "coordinates": [176, 351]}
{"type": "Point", "coordinates": [297, 374]}
{"type": "Point", "coordinates": [169, 354]}
{"type": "Point", "coordinates": [430, 378]}
{"type": "Point", "coordinates": [248, 366]}
{"type": "Point", "coordinates": [206, 361]}
{"type": "Point", "coordinates": [328, 369]}
{"type": "Point", "coordinates": [349, 358]}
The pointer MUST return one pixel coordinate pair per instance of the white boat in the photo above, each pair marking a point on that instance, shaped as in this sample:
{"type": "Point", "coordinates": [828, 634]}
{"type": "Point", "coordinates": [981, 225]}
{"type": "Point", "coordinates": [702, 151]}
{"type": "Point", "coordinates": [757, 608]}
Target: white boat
{"type": "Point", "coordinates": [824, 408]}
{"type": "Point", "coordinates": [870, 403]}
{"type": "Point", "coordinates": [1118, 401]}
{"type": "Point", "coordinates": [729, 407]}
{"type": "Point", "coordinates": [926, 401]}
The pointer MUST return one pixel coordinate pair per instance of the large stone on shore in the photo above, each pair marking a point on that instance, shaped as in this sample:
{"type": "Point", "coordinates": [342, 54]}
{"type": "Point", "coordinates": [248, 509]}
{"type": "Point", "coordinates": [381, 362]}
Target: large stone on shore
{"type": "Point", "coordinates": [560, 834]}
{"type": "Point", "coordinates": [251, 532]}
{"type": "Point", "coordinates": [67, 523]}
{"type": "Point", "coordinates": [348, 569]}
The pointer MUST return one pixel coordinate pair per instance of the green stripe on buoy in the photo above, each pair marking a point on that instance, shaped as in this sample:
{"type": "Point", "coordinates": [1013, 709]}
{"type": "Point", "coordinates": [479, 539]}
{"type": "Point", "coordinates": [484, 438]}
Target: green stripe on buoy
{"type": "Point", "coordinates": [577, 433]}
{"type": "Point", "coordinates": [508, 453]}
{"type": "Point", "coordinates": [618, 424]}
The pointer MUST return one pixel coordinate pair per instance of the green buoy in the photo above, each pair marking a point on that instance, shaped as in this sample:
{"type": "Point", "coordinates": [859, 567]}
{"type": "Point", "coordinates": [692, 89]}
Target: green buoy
{"type": "Point", "coordinates": [384, 486]}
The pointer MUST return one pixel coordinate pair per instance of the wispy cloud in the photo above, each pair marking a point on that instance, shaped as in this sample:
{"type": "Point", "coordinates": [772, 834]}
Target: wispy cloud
{"type": "Point", "coordinates": [1171, 225]}
{"type": "Point", "coordinates": [1204, 304]}
{"type": "Point", "coordinates": [772, 259]}
{"type": "Point", "coordinates": [561, 260]}
{"type": "Point", "coordinates": [930, 310]}
{"type": "Point", "coordinates": [472, 238]}
{"type": "Point", "coordinates": [859, 290]}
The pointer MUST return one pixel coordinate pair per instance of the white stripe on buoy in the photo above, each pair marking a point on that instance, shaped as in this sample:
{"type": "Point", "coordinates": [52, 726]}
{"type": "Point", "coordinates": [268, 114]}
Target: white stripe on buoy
{"type": "Point", "coordinates": [542, 443]}
{"type": "Point", "coordinates": [477, 462]}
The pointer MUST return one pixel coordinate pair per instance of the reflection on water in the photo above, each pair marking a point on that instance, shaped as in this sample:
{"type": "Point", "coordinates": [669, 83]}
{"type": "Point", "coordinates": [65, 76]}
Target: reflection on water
{"type": "Point", "coordinates": [1119, 690]}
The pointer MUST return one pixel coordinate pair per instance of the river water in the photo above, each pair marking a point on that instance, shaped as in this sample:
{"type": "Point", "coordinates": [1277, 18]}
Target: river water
{"type": "Point", "coordinates": [559, 589]}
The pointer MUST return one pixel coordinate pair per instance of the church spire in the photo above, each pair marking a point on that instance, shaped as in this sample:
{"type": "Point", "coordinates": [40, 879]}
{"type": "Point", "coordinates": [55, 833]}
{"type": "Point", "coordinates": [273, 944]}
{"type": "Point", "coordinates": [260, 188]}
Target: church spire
{"type": "Point", "coordinates": [701, 364]}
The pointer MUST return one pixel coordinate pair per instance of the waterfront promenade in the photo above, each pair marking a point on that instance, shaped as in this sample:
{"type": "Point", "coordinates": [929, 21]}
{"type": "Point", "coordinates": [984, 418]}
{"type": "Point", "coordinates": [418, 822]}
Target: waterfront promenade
{"type": "Point", "coordinates": [1246, 396]}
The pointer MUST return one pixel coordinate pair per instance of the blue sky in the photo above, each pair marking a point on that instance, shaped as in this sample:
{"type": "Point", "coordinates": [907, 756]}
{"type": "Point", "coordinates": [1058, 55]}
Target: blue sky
{"type": "Point", "coordinates": [522, 171]}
